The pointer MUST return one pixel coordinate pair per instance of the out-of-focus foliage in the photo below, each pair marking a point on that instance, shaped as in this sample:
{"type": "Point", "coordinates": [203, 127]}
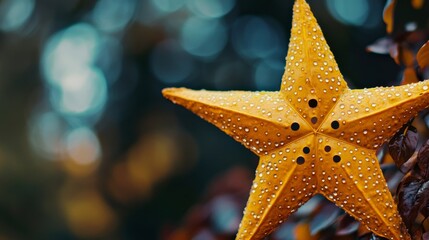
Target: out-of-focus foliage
{"type": "Point", "coordinates": [423, 56]}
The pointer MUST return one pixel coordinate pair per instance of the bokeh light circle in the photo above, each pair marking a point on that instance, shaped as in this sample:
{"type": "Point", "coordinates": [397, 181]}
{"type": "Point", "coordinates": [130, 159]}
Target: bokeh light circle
{"type": "Point", "coordinates": [80, 93]}
{"type": "Point", "coordinates": [46, 133]}
{"type": "Point", "coordinates": [170, 63]}
{"type": "Point", "coordinates": [82, 146]}
{"type": "Point", "coordinates": [113, 15]}
{"type": "Point", "coordinates": [256, 37]}
{"type": "Point", "coordinates": [15, 13]}
{"type": "Point", "coordinates": [168, 5]}
{"type": "Point", "coordinates": [351, 12]}
{"type": "Point", "coordinates": [69, 51]}
{"type": "Point", "coordinates": [203, 37]}
{"type": "Point", "coordinates": [211, 8]}
{"type": "Point", "coordinates": [268, 76]}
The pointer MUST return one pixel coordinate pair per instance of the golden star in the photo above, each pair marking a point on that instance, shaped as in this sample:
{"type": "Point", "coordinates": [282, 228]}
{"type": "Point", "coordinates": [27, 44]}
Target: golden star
{"type": "Point", "coordinates": [314, 136]}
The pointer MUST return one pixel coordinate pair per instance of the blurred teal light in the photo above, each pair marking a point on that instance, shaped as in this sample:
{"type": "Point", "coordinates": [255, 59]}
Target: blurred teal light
{"type": "Point", "coordinates": [80, 93]}
{"type": "Point", "coordinates": [110, 62]}
{"type": "Point", "coordinates": [225, 215]}
{"type": "Point", "coordinates": [351, 12]}
{"type": "Point", "coordinates": [15, 13]}
{"type": "Point", "coordinates": [268, 76]}
{"type": "Point", "coordinates": [69, 51]}
{"type": "Point", "coordinates": [168, 5]}
{"type": "Point", "coordinates": [113, 15]}
{"type": "Point", "coordinates": [170, 63]}
{"type": "Point", "coordinates": [203, 37]}
{"type": "Point", "coordinates": [255, 37]}
{"type": "Point", "coordinates": [211, 8]}
{"type": "Point", "coordinates": [77, 86]}
{"type": "Point", "coordinates": [46, 132]}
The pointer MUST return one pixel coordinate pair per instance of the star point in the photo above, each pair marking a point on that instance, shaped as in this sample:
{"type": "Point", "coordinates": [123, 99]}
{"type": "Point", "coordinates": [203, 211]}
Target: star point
{"type": "Point", "coordinates": [313, 136]}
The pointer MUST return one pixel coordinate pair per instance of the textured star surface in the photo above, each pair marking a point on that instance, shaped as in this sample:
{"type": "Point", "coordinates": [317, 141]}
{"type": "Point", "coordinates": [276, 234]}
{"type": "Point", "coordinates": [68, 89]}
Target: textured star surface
{"type": "Point", "coordinates": [314, 136]}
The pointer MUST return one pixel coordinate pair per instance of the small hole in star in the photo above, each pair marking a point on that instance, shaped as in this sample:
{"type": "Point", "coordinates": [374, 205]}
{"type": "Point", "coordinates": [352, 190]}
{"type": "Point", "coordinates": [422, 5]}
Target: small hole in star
{"type": "Point", "coordinates": [335, 124]}
{"type": "Point", "coordinates": [337, 158]}
{"type": "Point", "coordinates": [327, 148]}
{"type": "Point", "coordinates": [300, 160]}
{"type": "Point", "coordinates": [314, 120]}
{"type": "Point", "coordinates": [312, 103]}
{"type": "Point", "coordinates": [295, 126]}
{"type": "Point", "coordinates": [306, 150]}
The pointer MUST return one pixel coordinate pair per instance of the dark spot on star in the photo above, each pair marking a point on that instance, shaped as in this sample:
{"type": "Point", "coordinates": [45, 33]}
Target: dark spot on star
{"type": "Point", "coordinates": [314, 120]}
{"type": "Point", "coordinates": [312, 103]}
{"type": "Point", "coordinates": [306, 150]}
{"type": "Point", "coordinates": [327, 148]}
{"type": "Point", "coordinates": [295, 126]}
{"type": "Point", "coordinates": [300, 160]}
{"type": "Point", "coordinates": [335, 124]}
{"type": "Point", "coordinates": [337, 158]}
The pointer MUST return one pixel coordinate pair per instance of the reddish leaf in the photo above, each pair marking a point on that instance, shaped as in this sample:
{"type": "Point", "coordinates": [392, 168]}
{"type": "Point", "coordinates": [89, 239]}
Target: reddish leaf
{"type": "Point", "coordinates": [423, 55]}
{"type": "Point", "coordinates": [403, 144]}
{"type": "Point", "coordinates": [388, 15]}
{"type": "Point", "coordinates": [409, 76]}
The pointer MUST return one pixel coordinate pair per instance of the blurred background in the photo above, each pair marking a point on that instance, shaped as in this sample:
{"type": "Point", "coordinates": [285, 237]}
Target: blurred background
{"type": "Point", "coordinates": [89, 149]}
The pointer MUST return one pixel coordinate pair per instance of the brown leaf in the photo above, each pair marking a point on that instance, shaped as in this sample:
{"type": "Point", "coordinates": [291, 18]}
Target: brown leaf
{"type": "Point", "coordinates": [423, 55]}
{"type": "Point", "coordinates": [422, 168]}
{"type": "Point", "coordinates": [406, 56]}
{"type": "Point", "coordinates": [409, 164]}
{"type": "Point", "coordinates": [407, 197]}
{"type": "Point", "coordinates": [403, 144]}
{"type": "Point", "coordinates": [417, 4]}
{"type": "Point", "coordinates": [413, 191]}
{"type": "Point", "coordinates": [409, 76]}
{"type": "Point", "coordinates": [388, 15]}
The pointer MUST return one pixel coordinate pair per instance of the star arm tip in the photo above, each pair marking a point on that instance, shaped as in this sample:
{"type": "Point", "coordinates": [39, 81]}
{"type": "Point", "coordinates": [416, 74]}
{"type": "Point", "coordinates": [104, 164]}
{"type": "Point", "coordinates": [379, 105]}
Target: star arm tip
{"type": "Point", "coordinates": [172, 91]}
{"type": "Point", "coordinates": [370, 117]}
{"type": "Point", "coordinates": [311, 72]}
{"type": "Point", "coordinates": [355, 182]}
{"type": "Point", "coordinates": [261, 121]}
{"type": "Point", "coordinates": [282, 184]}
